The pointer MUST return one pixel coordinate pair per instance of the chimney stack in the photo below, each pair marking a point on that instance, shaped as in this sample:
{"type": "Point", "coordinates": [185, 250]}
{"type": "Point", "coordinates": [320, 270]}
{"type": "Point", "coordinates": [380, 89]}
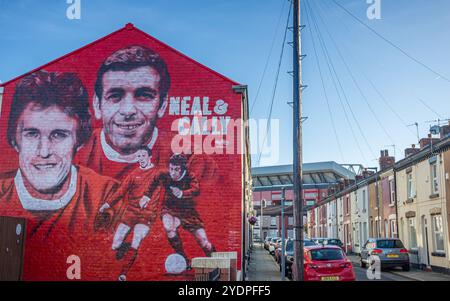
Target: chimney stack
{"type": "Point", "coordinates": [445, 130]}
{"type": "Point", "coordinates": [385, 160]}
{"type": "Point", "coordinates": [411, 151]}
{"type": "Point", "coordinates": [424, 142]}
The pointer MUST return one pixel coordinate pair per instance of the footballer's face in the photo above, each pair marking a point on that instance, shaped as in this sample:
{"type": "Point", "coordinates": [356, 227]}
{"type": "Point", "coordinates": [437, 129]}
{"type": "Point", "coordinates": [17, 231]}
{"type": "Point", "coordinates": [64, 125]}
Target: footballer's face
{"type": "Point", "coordinates": [45, 141]}
{"type": "Point", "coordinates": [130, 107]}
{"type": "Point", "coordinates": [143, 158]}
{"type": "Point", "coordinates": [175, 171]}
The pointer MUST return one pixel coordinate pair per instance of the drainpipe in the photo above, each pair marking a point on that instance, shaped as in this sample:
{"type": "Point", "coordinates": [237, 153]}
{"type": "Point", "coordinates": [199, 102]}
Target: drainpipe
{"type": "Point", "coordinates": [1, 96]}
{"type": "Point", "coordinates": [396, 204]}
{"type": "Point", "coordinates": [378, 207]}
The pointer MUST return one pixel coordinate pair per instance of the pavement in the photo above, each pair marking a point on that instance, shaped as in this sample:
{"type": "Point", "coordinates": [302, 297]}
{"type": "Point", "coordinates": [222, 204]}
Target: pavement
{"type": "Point", "coordinates": [262, 265]}
{"type": "Point", "coordinates": [398, 274]}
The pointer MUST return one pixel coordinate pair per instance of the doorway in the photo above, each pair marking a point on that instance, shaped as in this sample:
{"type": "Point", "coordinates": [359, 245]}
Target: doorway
{"type": "Point", "coordinates": [12, 237]}
{"type": "Point", "coordinates": [425, 260]}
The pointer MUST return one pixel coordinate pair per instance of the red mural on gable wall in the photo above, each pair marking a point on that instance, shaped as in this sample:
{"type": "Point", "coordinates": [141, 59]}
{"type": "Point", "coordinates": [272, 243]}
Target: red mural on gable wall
{"type": "Point", "coordinates": [124, 157]}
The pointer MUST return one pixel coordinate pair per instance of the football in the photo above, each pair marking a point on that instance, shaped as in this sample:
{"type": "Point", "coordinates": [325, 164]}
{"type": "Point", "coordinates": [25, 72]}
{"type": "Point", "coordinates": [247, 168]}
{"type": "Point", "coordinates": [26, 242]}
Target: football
{"type": "Point", "coordinates": [175, 264]}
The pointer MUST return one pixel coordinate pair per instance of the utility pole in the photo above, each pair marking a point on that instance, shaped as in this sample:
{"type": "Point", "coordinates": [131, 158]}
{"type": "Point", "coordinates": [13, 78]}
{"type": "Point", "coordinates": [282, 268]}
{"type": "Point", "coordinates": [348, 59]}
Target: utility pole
{"type": "Point", "coordinates": [297, 144]}
{"type": "Point", "coordinates": [283, 237]}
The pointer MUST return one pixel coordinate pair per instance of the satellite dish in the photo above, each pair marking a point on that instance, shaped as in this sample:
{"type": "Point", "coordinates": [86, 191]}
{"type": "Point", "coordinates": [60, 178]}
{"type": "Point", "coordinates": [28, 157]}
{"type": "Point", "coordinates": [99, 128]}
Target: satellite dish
{"type": "Point", "coordinates": [175, 264]}
{"type": "Point", "coordinates": [435, 129]}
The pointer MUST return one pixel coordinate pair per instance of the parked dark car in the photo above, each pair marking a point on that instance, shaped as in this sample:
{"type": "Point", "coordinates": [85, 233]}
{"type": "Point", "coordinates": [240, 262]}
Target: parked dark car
{"type": "Point", "coordinates": [391, 251]}
{"type": "Point", "coordinates": [278, 250]}
{"type": "Point", "coordinates": [290, 255]}
{"type": "Point", "coordinates": [329, 242]}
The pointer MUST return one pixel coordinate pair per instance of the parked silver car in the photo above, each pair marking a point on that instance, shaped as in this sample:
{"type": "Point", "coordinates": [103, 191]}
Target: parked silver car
{"type": "Point", "coordinates": [391, 251]}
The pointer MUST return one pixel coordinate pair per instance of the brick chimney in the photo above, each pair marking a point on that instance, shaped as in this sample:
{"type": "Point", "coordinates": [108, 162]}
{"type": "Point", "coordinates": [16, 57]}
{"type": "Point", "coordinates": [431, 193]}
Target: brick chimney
{"type": "Point", "coordinates": [411, 151]}
{"type": "Point", "coordinates": [385, 160]}
{"type": "Point", "coordinates": [424, 142]}
{"type": "Point", "coordinates": [445, 130]}
{"type": "Point", "coordinates": [367, 173]}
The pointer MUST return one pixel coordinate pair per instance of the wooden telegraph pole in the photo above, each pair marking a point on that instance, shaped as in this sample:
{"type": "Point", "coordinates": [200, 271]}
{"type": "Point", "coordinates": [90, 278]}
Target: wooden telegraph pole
{"type": "Point", "coordinates": [297, 144]}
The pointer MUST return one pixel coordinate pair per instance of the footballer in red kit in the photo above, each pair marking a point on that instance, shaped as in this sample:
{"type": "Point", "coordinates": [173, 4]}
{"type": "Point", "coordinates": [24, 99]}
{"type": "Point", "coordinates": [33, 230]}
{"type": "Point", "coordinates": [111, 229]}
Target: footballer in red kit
{"type": "Point", "coordinates": [178, 206]}
{"type": "Point", "coordinates": [136, 216]}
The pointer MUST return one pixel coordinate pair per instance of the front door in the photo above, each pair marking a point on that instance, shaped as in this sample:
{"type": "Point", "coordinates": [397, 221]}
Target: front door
{"type": "Point", "coordinates": [425, 256]}
{"type": "Point", "coordinates": [12, 237]}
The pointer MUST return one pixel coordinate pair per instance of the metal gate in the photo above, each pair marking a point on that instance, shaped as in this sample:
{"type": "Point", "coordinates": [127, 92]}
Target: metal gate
{"type": "Point", "coordinates": [214, 275]}
{"type": "Point", "coordinates": [12, 241]}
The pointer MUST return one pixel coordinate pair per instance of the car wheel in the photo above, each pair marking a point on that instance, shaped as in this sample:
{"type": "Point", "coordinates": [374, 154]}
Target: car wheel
{"type": "Point", "coordinates": [406, 268]}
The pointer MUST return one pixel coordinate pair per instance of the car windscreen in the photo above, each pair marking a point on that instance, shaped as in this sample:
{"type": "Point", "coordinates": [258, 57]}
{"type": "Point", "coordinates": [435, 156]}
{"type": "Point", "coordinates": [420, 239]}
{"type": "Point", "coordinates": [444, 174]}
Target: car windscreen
{"type": "Point", "coordinates": [389, 244]}
{"type": "Point", "coordinates": [326, 254]}
{"type": "Point", "coordinates": [334, 242]}
{"type": "Point", "coordinates": [308, 243]}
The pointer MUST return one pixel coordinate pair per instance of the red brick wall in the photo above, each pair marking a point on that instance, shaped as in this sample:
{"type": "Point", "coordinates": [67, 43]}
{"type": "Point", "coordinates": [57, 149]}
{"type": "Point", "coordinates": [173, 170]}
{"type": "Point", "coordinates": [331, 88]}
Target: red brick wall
{"type": "Point", "coordinates": [218, 205]}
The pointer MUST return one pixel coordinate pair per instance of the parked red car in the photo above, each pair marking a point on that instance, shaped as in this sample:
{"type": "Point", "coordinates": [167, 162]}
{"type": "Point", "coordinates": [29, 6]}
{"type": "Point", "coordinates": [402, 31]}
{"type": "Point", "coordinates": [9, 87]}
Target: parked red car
{"type": "Point", "coordinates": [327, 263]}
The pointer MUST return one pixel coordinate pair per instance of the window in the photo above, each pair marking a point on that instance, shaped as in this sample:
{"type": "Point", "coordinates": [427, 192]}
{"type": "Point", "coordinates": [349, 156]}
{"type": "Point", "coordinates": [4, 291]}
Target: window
{"type": "Point", "coordinates": [364, 233]}
{"type": "Point", "coordinates": [412, 233]}
{"type": "Point", "coordinates": [291, 233]}
{"type": "Point", "coordinates": [290, 220]}
{"type": "Point", "coordinates": [402, 225]}
{"type": "Point", "coordinates": [410, 186]}
{"type": "Point", "coordinates": [326, 254]}
{"type": "Point", "coordinates": [434, 178]}
{"type": "Point", "coordinates": [377, 228]}
{"type": "Point", "coordinates": [273, 221]}
{"type": "Point", "coordinates": [392, 190]}
{"type": "Point", "coordinates": [389, 244]}
{"type": "Point", "coordinates": [438, 234]}
{"type": "Point", "coordinates": [347, 205]}
{"type": "Point", "coordinates": [364, 201]}
{"type": "Point", "coordinates": [386, 229]}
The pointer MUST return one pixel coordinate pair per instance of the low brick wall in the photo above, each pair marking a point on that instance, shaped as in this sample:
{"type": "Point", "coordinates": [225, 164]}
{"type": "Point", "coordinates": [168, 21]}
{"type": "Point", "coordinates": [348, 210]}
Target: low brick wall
{"type": "Point", "coordinates": [204, 265]}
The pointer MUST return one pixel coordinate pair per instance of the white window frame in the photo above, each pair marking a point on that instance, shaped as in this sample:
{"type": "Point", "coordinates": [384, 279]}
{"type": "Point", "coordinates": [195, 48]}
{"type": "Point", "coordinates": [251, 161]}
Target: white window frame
{"type": "Point", "coordinates": [273, 220]}
{"type": "Point", "coordinates": [412, 225]}
{"type": "Point", "coordinates": [393, 227]}
{"type": "Point", "coordinates": [438, 232]}
{"type": "Point", "coordinates": [392, 190]}
{"type": "Point", "coordinates": [290, 220]}
{"type": "Point", "coordinates": [434, 178]}
{"type": "Point", "coordinates": [364, 200]}
{"type": "Point", "coordinates": [410, 185]}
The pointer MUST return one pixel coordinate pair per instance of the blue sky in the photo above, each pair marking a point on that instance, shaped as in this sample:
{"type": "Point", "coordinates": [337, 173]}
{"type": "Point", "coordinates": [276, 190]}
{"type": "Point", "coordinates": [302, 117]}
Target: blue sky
{"type": "Point", "coordinates": [235, 37]}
